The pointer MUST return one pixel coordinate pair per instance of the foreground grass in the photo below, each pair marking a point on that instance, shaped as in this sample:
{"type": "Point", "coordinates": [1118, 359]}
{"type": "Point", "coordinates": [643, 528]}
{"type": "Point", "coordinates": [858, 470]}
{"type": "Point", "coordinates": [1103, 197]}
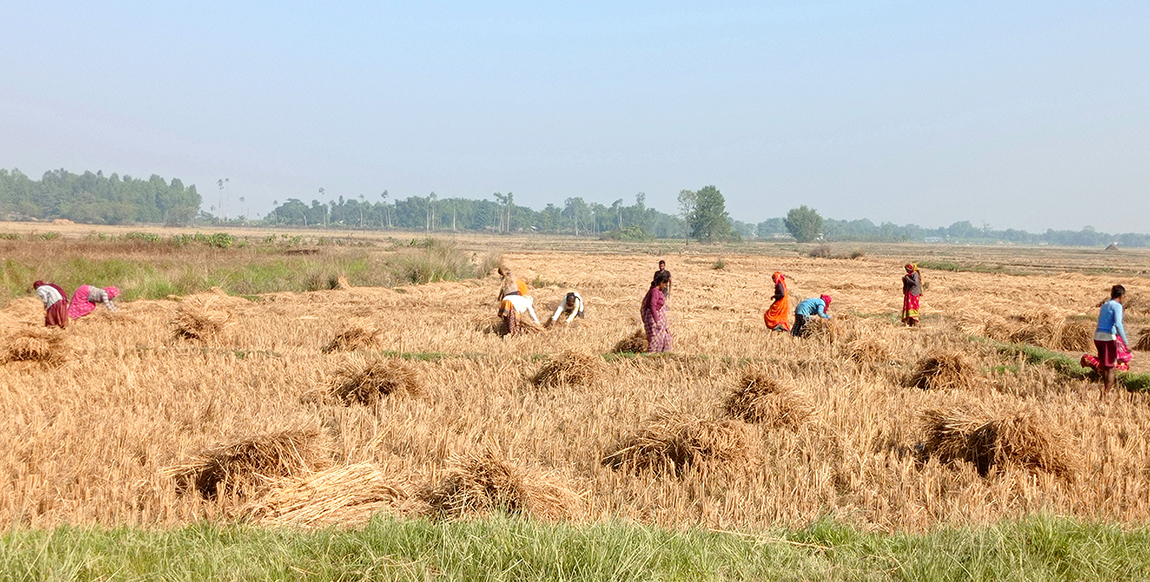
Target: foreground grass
{"type": "Point", "coordinates": [502, 548]}
{"type": "Point", "coordinates": [1070, 367]}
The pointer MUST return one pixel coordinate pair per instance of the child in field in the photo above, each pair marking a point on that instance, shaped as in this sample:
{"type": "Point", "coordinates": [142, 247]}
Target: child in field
{"type": "Point", "coordinates": [1107, 334]}
{"type": "Point", "coordinates": [55, 303]}
{"type": "Point", "coordinates": [87, 296]}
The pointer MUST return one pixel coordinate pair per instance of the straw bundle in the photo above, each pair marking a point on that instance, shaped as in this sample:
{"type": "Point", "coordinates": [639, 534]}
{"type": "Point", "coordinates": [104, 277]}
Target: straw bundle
{"type": "Point", "coordinates": [943, 371]}
{"type": "Point", "coordinates": [346, 495]}
{"type": "Point", "coordinates": [369, 382]}
{"type": "Point", "coordinates": [342, 283]}
{"type": "Point", "coordinates": [760, 398]}
{"type": "Point", "coordinates": [1077, 336]}
{"type": "Point", "coordinates": [484, 482]}
{"type": "Point", "coordinates": [1143, 343]}
{"type": "Point", "coordinates": [44, 346]}
{"type": "Point", "coordinates": [201, 317]}
{"type": "Point", "coordinates": [237, 468]}
{"type": "Point", "coordinates": [570, 369]}
{"type": "Point", "coordinates": [867, 350]}
{"type": "Point", "coordinates": [357, 334]}
{"type": "Point", "coordinates": [1021, 439]}
{"type": "Point", "coordinates": [671, 443]}
{"type": "Point", "coordinates": [824, 330]}
{"type": "Point", "coordinates": [635, 343]}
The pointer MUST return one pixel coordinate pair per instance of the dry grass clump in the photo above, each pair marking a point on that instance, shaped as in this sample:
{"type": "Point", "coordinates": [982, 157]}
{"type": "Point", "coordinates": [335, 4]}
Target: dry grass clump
{"type": "Point", "coordinates": [483, 482]}
{"type": "Point", "coordinates": [1077, 336]}
{"type": "Point", "coordinates": [347, 495]}
{"type": "Point", "coordinates": [44, 346]}
{"type": "Point", "coordinates": [868, 350]}
{"type": "Point", "coordinates": [760, 398]}
{"type": "Point", "coordinates": [570, 369]}
{"type": "Point", "coordinates": [824, 330]}
{"type": "Point", "coordinates": [371, 381]}
{"type": "Point", "coordinates": [1022, 439]}
{"type": "Point", "coordinates": [239, 467]}
{"type": "Point", "coordinates": [635, 343]}
{"type": "Point", "coordinates": [357, 334]}
{"type": "Point", "coordinates": [946, 370]}
{"type": "Point", "coordinates": [670, 443]}
{"type": "Point", "coordinates": [201, 318]}
{"type": "Point", "coordinates": [1143, 343]}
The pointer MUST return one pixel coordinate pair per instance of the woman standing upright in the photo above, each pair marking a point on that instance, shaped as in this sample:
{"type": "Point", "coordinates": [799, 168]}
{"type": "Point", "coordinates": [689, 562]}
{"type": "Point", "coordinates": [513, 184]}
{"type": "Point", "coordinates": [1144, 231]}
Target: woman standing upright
{"type": "Point", "coordinates": [911, 291]}
{"type": "Point", "coordinates": [654, 312]}
{"type": "Point", "coordinates": [776, 315]}
{"type": "Point", "coordinates": [55, 303]}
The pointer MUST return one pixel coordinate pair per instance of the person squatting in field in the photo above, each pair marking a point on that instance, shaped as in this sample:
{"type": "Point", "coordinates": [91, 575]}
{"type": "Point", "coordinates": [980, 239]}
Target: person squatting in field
{"type": "Point", "coordinates": [511, 308]}
{"type": "Point", "coordinates": [911, 291]}
{"type": "Point", "coordinates": [1107, 334]}
{"type": "Point", "coordinates": [570, 308]}
{"type": "Point", "coordinates": [654, 314]}
{"type": "Point", "coordinates": [776, 315]}
{"type": "Point", "coordinates": [809, 308]}
{"type": "Point", "coordinates": [55, 303]}
{"type": "Point", "coordinates": [86, 297]}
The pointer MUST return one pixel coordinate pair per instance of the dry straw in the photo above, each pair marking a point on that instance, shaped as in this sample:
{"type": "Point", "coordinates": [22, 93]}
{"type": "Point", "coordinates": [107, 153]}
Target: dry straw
{"type": "Point", "coordinates": [635, 343]}
{"type": "Point", "coordinates": [1143, 343]}
{"type": "Point", "coordinates": [43, 346]}
{"type": "Point", "coordinates": [368, 382]}
{"type": "Point", "coordinates": [238, 468]}
{"type": "Point", "coordinates": [760, 398]}
{"type": "Point", "coordinates": [870, 351]}
{"type": "Point", "coordinates": [357, 334]}
{"type": "Point", "coordinates": [570, 369]}
{"type": "Point", "coordinates": [824, 330]}
{"type": "Point", "coordinates": [484, 482]}
{"type": "Point", "coordinates": [671, 443]}
{"type": "Point", "coordinates": [201, 318]}
{"type": "Point", "coordinates": [346, 495]}
{"type": "Point", "coordinates": [946, 370]}
{"type": "Point", "coordinates": [987, 440]}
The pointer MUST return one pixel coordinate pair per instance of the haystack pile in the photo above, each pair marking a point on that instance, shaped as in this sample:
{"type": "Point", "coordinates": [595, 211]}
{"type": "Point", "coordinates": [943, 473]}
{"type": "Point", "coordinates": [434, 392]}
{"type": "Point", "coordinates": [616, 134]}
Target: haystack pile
{"type": "Point", "coordinates": [41, 345]}
{"type": "Point", "coordinates": [347, 495]}
{"type": "Point", "coordinates": [944, 371]}
{"type": "Point", "coordinates": [1143, 343]}
{"type": "Point", "coordinates": [368, 382]}
{"type": "Point", "coordinates": [201, 317]}
{"type": "Point", "coordinates": [987, 440]}
{"type": "Point", "coordinates": [671, 443]}
{"type": "Point", "coordinates": [825, 330]}
{"type": "Point", "coordinates": [357, 334]}
{"type": "Point", "coordinates": [238, 468]}
{"type": "Point", "coordinates": [760, 398]}
{"type": "Point", "coordinates": [570, 369]}
{"type": "Point", "coordinates": [869, 351]}
{"type": "Point", "coordinates": [1039, 327]}
{"type": "Point", "coordinates": [635, 343]}
{"type": "Point", "coordinates": [483, 482]}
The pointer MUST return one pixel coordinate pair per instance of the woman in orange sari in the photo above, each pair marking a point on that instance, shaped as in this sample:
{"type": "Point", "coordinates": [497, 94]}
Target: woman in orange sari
{"type": "Point", "coordinates": [776, 316]}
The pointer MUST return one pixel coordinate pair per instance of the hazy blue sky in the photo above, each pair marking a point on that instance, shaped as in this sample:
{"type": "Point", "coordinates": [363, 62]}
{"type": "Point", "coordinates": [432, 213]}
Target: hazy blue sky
{"type": "Point", "coordinates": [1022, 115]}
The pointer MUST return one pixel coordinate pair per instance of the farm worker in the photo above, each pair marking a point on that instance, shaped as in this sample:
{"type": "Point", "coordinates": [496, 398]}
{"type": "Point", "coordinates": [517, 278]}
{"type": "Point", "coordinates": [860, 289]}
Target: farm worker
{"type": "Point", "coordinates": [911, 291]}
{"type": "Point", "coordinates": [87, 296]}
{"type": "Point", "coordinates": [55, 303]}
{"type": "Point", "coordinates": [654, 313]}
{"type": "Point", "coordinates": [1107, 333]}
{"type": "Point", "coordinates": [569, 309]}
{"type": "Point", "coordinates": [776, 315]}
{"type": "Point", "coordinates": [510, 284]}
{"type": "Point", "coordinates": [1124, 357]}
{"type": "Point", "coordinates": [512, 306]}
{"type": "Point", "coordinates": [809, 308]}
{"type": "Point", "coordinates": [663, 269]}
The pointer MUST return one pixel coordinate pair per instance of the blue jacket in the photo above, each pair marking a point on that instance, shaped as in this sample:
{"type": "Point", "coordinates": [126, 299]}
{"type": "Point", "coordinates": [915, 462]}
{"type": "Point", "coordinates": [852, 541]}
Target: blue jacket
{"type": "Point", "coordinates": [811, 307]}
{"type": "Point", "coordinates": [1110, 320]}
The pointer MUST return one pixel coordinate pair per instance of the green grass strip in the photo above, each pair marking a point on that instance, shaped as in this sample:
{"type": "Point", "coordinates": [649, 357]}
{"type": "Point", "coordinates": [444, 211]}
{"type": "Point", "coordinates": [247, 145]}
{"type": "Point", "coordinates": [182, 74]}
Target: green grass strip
{"type": "Point", "coordinates": [1069, 367]}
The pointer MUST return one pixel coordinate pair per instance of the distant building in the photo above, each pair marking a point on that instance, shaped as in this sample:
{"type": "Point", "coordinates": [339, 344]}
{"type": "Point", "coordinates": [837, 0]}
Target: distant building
{"type": "Point", "coordinates": [932, 239]}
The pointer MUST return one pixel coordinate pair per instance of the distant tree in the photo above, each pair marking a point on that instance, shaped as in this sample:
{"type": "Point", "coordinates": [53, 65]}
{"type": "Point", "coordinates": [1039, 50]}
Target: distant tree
{"type": "Point", "coordinates": [771, 226]}
{"type": "Point", "coordinates": [804, 223]}
{"type": "Point", "coordinates": [709, 221]}
{"type": "Point", "coordinates": [688, 200]}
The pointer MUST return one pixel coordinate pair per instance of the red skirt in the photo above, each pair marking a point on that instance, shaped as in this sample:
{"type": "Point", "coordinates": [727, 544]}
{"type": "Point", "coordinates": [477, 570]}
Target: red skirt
{"type": "Point", "coordinates": [910, 306]}
{"type": "Point", "coordinates": [57, 315]}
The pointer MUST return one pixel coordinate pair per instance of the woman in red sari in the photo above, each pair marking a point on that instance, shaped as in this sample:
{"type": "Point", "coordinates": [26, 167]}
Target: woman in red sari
{"type": "Point", "coordinates": [654, 312]}
{"type": "Point", "coordinates": [55, 301]}
{"type": "Point", "coordinates": [776, 315]}
{"type": "Point", "coordinates": [911, 291]}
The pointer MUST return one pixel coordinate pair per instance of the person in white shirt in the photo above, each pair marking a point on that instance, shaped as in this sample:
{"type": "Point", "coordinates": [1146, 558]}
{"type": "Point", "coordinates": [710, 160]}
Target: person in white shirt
{"type": "Point", "coordinates": [511, 308]}
{"type": "Point", "coordinates": [570, 308]}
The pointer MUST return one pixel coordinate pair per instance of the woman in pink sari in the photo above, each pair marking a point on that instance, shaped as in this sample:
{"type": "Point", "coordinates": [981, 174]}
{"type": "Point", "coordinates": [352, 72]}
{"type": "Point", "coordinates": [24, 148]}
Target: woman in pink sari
{"type": "Point", "coordinates": [654, 312]}
{"type": "Point", "coordinates": [87, 296]}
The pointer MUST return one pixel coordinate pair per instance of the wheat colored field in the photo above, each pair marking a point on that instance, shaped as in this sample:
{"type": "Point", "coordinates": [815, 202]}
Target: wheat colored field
{"type": "Point", "coordinates": [101, 435]}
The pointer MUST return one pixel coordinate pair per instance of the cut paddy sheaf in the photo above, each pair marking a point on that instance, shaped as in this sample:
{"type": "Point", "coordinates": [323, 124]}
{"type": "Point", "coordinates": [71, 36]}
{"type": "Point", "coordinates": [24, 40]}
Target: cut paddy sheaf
{"type": "Point", "coordinates": [347, 496]}
{"type": "Point", "coordinates": [357, 334]}
{"type": "Point", "coordinates": [671, 443]}
{"type": "Point", "coordinates": [370, 381]}
{"type": "Point", "coordinates": [240, 467]}
{"type": "Point", "coordinates": [44, 346]}
{"type": "Point", "coordinates": [762, 398]}
{"type": "Point", "coordinates": [570, 368]}
{"type": "Point", "coordinates": [635, 343]}
{"type": "Point", "coordinates": [485, 482]}
{"type": "Point", "coordinates": [1040, 327]}
{"type": "Point", "coordinates": [201, 317]}
{"type": "Point", "coordinates": [990, 439]}
{"type": "Point", "coordinates": [944, 371]}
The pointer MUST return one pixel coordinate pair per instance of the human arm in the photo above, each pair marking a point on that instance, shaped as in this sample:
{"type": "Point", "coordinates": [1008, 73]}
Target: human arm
{"type": "Point", "coordinates": [821, 310]}
{"type": "Point", "coordinates": [780, 292]}
{"type": "Point", "coordinates": [558, 312]}
{"type": "Point", "coordinates": [1119, 330]}
{"type": "Point", "coordinates": [576, 310]}
{"type": "Point", "coordinates": [531, 310]}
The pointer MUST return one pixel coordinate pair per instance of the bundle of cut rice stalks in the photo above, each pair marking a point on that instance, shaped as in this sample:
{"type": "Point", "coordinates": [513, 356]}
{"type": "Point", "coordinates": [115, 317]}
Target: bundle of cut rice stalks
{"type": "Point", "coordinates": [1077, 335]}
{"type": "Point", "coordinates": [946, 370]}
{"type": "Point", "coordinates": [570, 369]}
{"type": "Point", "coordinates": [869, 351]}
{"type": "Point", "coordinates": [824, 330]}
{"type": "Point", "coordinates": [987, 439]}
{"type": "Point", "coordinates": [635, 343]}
{"type": "Point", "coordinates": [484, 482]}
{"type": "Point", "coordinates": [671, 443]}
{"type": "Point", "coordinates": [1143, 343]}
{"type": "Point", "coordinates": [347, 495]}
{"type": "Point", "coordinates": [201, 317]}
{"type": "Point", "coordinates": [40, 345]}
{"type": "Point", "coordinates": [760, 398]}
{"type": "Point", "coordinates": [368, 382]}
{"type": "Point", "coordinates": [357, 334]}
{"type": "Point", "coordinates": [240, 467]}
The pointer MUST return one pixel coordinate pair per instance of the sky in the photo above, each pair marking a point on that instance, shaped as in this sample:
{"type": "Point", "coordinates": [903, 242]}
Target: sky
{"type": "Point", "coordinates": [1028, 115]}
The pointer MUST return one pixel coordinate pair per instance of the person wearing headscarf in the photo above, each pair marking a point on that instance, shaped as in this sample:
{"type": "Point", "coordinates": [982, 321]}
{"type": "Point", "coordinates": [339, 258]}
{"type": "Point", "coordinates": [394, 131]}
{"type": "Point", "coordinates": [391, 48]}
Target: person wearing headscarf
{"type": "Point", "coordinates": [570, 308]}
{"type": "Point", "coordinates": [911, 291]}
{"type": "Point", "coordinates": [510, 284]}
{"type": "Point", "coordinates": [87, 296]}
{"type": "Point", "coordinates": [55, 303]}
{"type": "Point", "coordinates": [808, 308]}
{"type": "Point", "coordinates": [654, 314]}
{"type": "Point", "coordinates": [776, 315]}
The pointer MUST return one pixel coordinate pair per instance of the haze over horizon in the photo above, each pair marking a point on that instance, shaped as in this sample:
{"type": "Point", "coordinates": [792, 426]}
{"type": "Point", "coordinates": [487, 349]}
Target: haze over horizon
{"type": "Point", "coordinates": [1027, 116]}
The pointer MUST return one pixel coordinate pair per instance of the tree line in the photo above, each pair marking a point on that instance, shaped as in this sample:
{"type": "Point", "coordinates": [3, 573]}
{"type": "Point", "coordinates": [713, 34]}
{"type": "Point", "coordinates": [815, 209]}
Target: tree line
{"type": "Point", "coordinates": [96, 199]}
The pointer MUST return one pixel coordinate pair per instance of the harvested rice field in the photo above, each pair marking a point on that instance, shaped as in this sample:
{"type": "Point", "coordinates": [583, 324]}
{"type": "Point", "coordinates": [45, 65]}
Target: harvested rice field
{"type": "Point", "coordinates": [324, 408]}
